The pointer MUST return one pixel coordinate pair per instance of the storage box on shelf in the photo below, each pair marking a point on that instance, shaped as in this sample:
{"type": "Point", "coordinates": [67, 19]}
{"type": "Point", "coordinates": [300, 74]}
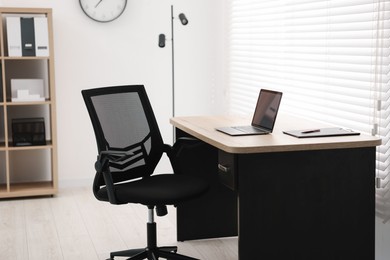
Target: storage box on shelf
{"type": "Point", "coordinates": [27, 92]}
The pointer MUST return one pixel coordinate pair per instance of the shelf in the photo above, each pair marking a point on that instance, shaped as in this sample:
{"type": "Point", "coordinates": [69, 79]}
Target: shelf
{"type": "Point", "coordinates": [48, 145]}
{"type": "Point", "coordinates": [18, 10]}
{"type": "Point", "coordinates": [29, 189]}
{"type": "Point", "coordinates": [27, 58]}
{"type": "Point", "coordinates": [32, 103]}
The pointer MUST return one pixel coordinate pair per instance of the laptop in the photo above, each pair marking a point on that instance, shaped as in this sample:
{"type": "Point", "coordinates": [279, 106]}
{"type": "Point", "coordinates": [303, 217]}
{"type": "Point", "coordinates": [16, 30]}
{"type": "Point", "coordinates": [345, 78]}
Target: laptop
{"type": "Point", "coordinates": [264, 117]}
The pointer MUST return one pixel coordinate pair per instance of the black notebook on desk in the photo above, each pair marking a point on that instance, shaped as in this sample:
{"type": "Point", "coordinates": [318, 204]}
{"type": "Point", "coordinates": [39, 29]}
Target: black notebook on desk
{"type": "Point", "coordinates": [321, 132]}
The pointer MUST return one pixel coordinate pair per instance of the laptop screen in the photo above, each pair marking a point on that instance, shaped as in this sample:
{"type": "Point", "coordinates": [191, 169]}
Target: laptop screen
{"type": "Point", "coordinates": [266, 109]}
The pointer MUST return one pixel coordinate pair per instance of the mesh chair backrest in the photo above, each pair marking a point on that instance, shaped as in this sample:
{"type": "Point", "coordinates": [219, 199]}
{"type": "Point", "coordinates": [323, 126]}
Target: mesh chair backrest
{"type": "Point", "coordinates": [123, 121]}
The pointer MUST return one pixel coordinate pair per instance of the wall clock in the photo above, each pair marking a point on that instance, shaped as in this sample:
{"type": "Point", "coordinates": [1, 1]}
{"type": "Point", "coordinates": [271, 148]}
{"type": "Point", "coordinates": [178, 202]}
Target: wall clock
{"type": "Point", "coordinates": [103, 10]}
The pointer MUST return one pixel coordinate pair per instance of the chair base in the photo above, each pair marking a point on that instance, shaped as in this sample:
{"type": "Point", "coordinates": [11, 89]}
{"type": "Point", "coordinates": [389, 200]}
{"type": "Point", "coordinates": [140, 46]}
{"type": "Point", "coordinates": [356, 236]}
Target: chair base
{"type": "Point", "coordinates": [168, 252]}
{"type": "Point", "coordinates": [152, 251]}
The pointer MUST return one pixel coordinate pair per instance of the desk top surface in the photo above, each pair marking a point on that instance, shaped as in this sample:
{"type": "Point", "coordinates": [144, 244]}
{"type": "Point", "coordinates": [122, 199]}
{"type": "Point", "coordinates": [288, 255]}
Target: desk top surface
{"type": "Point", "coordinates": [203, 128]}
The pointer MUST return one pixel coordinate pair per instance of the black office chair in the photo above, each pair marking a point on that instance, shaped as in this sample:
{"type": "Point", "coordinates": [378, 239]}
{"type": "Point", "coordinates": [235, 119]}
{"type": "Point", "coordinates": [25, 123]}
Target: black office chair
{"type": "Point", "coordinates": [130, 146]}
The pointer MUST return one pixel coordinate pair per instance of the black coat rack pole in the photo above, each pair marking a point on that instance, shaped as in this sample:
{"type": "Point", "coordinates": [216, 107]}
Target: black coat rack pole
{"type": "Point", "coordinates": [173, 74]}
{"type": "Point", "coordinates": [173, 65]}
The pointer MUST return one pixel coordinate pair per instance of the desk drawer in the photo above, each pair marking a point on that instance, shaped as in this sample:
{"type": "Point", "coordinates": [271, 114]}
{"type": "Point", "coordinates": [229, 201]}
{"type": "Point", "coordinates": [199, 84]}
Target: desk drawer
{"type": "Point", "coordinates": [227, 169]}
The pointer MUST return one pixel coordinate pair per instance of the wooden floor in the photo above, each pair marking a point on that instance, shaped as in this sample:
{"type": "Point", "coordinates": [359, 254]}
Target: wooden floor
{"type": "Point", "coordinates": [74, 225]}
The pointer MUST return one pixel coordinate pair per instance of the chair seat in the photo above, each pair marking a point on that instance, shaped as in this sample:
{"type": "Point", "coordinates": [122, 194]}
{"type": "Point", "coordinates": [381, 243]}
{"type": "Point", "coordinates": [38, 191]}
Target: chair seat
{"type": "Point", "coordinates": [162, 189]}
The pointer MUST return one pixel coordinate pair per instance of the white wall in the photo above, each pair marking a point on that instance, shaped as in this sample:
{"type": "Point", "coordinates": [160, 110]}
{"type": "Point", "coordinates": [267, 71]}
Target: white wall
{"type": "Point", "coordinates": [90, 54]}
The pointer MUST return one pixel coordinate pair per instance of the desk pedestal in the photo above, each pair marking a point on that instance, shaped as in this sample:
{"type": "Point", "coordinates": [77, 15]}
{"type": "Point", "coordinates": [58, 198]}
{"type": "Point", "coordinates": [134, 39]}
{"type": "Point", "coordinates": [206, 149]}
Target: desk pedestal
{"type": "Point", "coordinates": [304, 205]}
{"type": "Point", "coordinates": [214, 214]}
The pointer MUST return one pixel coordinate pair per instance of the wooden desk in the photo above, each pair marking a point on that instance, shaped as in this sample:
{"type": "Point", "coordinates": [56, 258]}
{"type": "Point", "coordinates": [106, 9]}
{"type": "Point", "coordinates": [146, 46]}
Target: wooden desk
{"type": "Point", "coordinates": [292, 198]}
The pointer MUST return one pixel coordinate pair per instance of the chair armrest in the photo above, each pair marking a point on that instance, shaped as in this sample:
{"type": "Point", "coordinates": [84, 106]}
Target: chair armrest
{"type": "Point", "coordinates": [102, 167]}
{"type": "Point", "coordinates": [174, 152]}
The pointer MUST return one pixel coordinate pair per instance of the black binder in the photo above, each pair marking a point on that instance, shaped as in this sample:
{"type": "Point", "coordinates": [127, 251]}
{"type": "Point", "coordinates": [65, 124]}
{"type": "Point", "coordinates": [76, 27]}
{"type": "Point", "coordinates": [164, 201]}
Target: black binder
{"type": "Point", "coordinates": [28, 36]}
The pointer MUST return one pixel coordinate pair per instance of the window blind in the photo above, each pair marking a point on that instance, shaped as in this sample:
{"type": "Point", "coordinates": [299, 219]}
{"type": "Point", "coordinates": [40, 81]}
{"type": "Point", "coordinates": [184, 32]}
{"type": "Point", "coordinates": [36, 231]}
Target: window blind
{"type": "Point", "coordinates": [330, 58]}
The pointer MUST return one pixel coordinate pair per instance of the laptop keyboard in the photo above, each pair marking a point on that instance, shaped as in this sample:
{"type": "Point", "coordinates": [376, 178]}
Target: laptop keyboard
{"type": "Point", "coordinates": [249, 129]}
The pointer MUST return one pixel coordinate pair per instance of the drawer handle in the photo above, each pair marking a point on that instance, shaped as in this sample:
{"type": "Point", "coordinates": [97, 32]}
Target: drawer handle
{"type": "Point", "coordinates": [223, 168]}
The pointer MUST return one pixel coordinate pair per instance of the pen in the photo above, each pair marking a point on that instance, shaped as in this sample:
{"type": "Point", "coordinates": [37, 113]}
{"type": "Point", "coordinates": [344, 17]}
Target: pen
{"type": "Point", "coordinates": [311, 131]}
